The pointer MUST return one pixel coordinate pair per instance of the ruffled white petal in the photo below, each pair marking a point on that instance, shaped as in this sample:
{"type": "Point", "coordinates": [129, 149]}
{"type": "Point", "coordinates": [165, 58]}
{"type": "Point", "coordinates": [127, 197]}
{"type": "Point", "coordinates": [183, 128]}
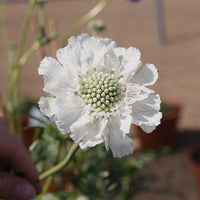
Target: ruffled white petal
{"type": "Point", "coordinates": [115, 139]}
{"type": "Point", "coordinates": [72, 56]}
{"type": "Point", "coordinates": [132, 54]}
{"type": "Point", "coordinates": [98, 44]}
{"type": "Point", "coordinates": [129, 55]}
{"type": "Point", "coordinates": [69, 55]}
{"type": "Point", "coordinates": [48, 106]}
{"type": "Point", "coordinates": [90, 141]}
{"type": "Point", "coordinates": [128, 70]}
{"type": "Point", "coordinates": [107, 63]}
{"type": "Point", "coordinates": [120, 146]}
{"type": "Point", "coordinates": [147, 76]}
{"type": "Point", "coordinates": [87, 131]}
{"type": "Point", "coordinates": [136, 93]}
{"type": "Point", "coordinates": [79, 129]}
{"type": "Point", "coordinates": [57, 79]}
{"type": "Point", "coordinates": [125, 122]}
{"type": "Point", "coordinates": [146, 113]}
{"type": "Point", "coordinates": [92, 48]}
{"type": "Point", "coordinates": [79, 39]}
{"type": "Point", "coordinates": [49, 67]}
{"type": "Point", "coordinates": [62, 85]}
{"type": "Point", "coordinates": [69, 111]}
{"type": "Point", "coordinates": [130, 62]}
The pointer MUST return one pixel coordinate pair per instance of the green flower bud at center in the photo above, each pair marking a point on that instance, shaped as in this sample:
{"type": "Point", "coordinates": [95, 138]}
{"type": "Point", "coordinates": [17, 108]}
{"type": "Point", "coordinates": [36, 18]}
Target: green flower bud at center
{"type": "Point", "coordinates": [101, 90]}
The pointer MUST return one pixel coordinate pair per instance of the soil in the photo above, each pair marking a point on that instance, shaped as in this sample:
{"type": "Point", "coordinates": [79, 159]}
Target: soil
{"type": "Point", "coordinates": [134, 24]}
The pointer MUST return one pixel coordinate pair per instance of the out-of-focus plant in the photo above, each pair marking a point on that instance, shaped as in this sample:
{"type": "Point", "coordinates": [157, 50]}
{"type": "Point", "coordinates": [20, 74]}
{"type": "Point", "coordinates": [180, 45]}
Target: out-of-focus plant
{"type": "Point", "coordinates": [15, 63]}
{"type": "Point", "coordinates": [52, 150]}
{"type": "Point", "coordinates": [95, 175]}
{"type": "Point", "coordinates": [96, 27]}
{"type": "Point", "coordinates": [46, 150]}
{"type": "Point", "coordinates": [17, 55]}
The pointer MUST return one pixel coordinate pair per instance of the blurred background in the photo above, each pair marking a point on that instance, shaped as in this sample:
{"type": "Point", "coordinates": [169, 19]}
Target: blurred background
{"type": "Point", "coordinates": [167, 37]}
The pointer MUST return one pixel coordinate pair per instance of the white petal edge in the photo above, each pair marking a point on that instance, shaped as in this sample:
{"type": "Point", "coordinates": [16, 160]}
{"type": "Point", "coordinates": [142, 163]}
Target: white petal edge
{"type": "Point", "coordinates": [48, 66]}
{"type": "Point", "coordinates": [146, 113]}
{"type": "Point", "coordinates": [48, 106]}
{"type": "Point", "coordinates": [147, 76]}
{"type": "Point", "coordinates": [87, 131]}
{"type": "Point", "coordinates": [116, 140]}
{"type": "Point", "coordinates": [69, 111]}
{"type": "Point", "coordinates": [129, 55]}
{"type": "Point", "coordinates": [120, 146]}
{"type": "Point", "coordinates": [136, 93]}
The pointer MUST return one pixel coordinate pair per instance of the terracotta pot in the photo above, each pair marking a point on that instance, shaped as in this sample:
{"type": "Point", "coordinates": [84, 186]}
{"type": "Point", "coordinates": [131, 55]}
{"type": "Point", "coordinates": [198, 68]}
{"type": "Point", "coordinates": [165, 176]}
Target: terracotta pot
{"type": "Point", "coordinates": [165, 134]}
{"type": "Point", "coordinates": [194, 161]}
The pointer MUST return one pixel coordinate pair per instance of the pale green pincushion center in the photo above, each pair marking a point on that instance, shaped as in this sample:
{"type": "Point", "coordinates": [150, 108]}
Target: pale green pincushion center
{"type": "Point", "coordinates": [101, 90]}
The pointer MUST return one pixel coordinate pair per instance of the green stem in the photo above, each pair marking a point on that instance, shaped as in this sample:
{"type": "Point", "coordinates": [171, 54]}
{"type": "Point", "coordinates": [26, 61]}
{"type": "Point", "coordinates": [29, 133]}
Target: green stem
{"type": "Point", "coordinates": [50, 178]}
{"type": "Point", "coordinates": [36, 45]}
{"type": "Point", "coordinates": [25, 28]}
{"type": "Point", "coordinates": [42, 19]}
{"type": "Point", "coordinates": [62, 164]}
{"type": "Point", "coordinates": [90, 15]}
{"type": "Point", "coordinates": [46, 187]}
{"type": "Point", "coordinates": [28, 53]}
{"type": "Point", "coordinates": [5, 35]}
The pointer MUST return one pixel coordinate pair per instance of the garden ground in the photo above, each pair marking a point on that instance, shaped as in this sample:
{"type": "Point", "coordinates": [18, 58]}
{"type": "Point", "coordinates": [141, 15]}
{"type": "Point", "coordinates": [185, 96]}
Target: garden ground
{"type": "Point", "coordinates": [133, 24]}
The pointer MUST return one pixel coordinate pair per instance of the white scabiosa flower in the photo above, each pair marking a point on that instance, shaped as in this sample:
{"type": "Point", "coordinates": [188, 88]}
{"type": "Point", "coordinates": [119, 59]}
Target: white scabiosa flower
{"type": "Point", "coordinates": [99, 91]}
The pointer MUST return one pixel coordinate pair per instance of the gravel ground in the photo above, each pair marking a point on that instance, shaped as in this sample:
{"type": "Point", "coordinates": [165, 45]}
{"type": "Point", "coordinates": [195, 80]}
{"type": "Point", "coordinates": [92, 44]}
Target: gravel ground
{"type": "Point", "coordinates": [132, 24]}
{"type": "Point", "coordinates": [169, 177]}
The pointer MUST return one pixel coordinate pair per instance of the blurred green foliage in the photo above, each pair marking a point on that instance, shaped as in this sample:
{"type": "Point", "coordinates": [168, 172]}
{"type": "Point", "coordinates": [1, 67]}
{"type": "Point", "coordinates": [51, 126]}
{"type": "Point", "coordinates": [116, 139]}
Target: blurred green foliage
{"type": "Point", "coordinates": [94, 173]}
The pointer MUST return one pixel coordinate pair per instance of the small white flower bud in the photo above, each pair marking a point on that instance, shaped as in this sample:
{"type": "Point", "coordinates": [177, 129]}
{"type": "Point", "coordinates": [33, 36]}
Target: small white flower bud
{"type": "Point", "coordinates": [102, 100]}
{"type": "Point", "coordinates": [110, 94]}
{"type": "Point", "coordinates": [110, 88]}
{"type": "Point", "coordinates": [94, 105]}
{"type": "Point", "coordinates": [89, 91]}
{"type": "Point", "coordinates": [107, 102]}
{"type": "Point", "coordinates": [98, 86]}
{"type": "Point", "coordinates": [99, 91]}
{"type": "Point", "coordinates": [98, 96]}
{"type": "Point", "coordinates": [103, 106]}
{"type": "Point", "coordinates": [98, 103]}
{"type": "Point", "coordinates": [103, 94]}
{"type": "Point", "coordinates": [106, 90]}
{"type": "Point", "coordinates": [94, 99]}
{"type": "Point", "coordinates": [90, 101]}
{"type": "Point", "coordinates": [107, 97]}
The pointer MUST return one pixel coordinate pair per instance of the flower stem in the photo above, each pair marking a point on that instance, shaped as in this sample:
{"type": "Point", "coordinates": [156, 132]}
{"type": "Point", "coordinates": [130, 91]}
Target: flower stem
{"type": "Point", "coordinates": [42, 19]}
{"type": "Point", "coordinates": [50, 178]}
{"type": "Point", "coordinates": [62, 164]}
{"type": "Point", "coordinates": [25, 28]}
{"type": "Point", "coordinates": [29, 52]}
{"type": "Point", "coordinates": [90, 15]}
{"type": "Point", "coordinates": [46, 187]}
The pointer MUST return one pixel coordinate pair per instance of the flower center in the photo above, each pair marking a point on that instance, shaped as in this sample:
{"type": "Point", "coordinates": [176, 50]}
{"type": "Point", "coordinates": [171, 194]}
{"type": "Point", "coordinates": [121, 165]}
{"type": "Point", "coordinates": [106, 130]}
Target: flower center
{"type": "Point", "coordinates": [101, 90]}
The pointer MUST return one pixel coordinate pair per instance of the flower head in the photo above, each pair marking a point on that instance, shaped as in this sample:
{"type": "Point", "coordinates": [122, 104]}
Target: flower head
{"type": "Point", "coordinates": [99, 90]}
